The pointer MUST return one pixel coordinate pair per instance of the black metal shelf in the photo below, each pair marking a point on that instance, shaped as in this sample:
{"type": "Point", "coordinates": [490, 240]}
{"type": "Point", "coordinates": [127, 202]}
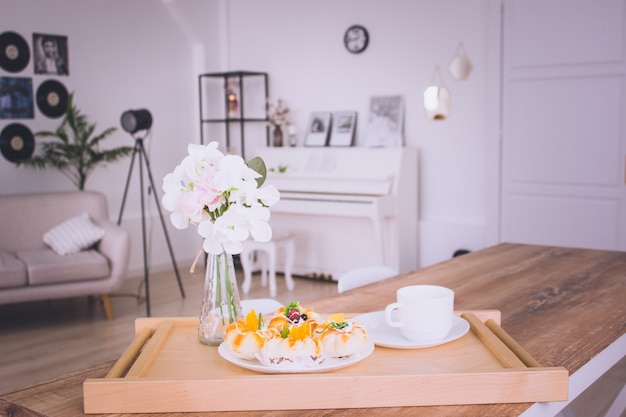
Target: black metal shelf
{"type": "Point", "coordinates": [228, 121]}
{"type": "Point", "coordinates": [234, 119]}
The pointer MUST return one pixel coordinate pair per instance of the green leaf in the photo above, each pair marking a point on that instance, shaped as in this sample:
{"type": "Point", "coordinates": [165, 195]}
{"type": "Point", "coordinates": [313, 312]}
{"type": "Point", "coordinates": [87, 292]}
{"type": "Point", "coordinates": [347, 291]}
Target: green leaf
{"type": "Point", "coordinates": [258, 165]}
{"type": "Point", "coordinates": [293, 304]}
{"type": "Point", "coordinates": [339, 326]}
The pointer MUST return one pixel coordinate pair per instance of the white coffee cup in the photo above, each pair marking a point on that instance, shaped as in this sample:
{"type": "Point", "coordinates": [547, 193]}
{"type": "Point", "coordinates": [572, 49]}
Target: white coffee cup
{"type": "Point", "coordinates": [424, 312]}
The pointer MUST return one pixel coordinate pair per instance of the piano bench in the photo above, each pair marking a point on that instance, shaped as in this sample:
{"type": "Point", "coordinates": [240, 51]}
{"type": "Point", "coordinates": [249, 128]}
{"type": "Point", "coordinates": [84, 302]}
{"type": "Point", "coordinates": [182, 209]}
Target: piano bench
{"type": "Point", "coordinates": [264, 253]}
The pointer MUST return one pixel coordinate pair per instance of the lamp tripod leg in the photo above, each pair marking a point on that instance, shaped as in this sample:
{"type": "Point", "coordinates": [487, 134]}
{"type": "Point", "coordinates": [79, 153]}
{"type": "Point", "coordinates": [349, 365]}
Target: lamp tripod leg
{"type": "Point", "coordinates": [130, 172]}
{"type": "Point", "coordinates": [146, 279]}
{"type": "Point", "coordinates": [167, 237]}
{"type": "Point", "coordinates": [139, 149]}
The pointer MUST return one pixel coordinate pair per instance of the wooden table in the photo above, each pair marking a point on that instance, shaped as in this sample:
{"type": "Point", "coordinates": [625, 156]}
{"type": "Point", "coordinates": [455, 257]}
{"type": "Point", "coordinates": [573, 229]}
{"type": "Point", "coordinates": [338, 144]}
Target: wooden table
{"type": "Point", "coordinates": [564, 306]}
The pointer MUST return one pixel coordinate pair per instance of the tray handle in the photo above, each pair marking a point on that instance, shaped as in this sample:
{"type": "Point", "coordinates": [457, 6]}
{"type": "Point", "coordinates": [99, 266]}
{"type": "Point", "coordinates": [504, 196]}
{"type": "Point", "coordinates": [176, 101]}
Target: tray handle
{"type": "Point", "coordinates": [497, 347]}
{"type": "Point", "coordinates": [512, 344]}
{"type": "Point", "coordinates": [124, 362]}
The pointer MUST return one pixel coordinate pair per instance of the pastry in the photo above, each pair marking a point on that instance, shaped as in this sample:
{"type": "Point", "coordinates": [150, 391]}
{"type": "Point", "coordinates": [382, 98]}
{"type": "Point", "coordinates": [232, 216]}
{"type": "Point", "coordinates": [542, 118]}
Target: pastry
{"type": "Point", "coordinates": [295, 337]}
{"type": "Point", "coordinates": [293, 315]}
{"type": "Point", "coordinates": [292, 346]}
{"type": "Point", "coordinates": [340, 337]}
{"type": "Point", "coordinates": [245, 338]}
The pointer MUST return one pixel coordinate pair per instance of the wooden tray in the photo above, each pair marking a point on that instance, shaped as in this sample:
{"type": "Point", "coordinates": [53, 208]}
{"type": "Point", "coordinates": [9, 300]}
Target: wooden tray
{"type": "Point", "coordinates": [166, 369]}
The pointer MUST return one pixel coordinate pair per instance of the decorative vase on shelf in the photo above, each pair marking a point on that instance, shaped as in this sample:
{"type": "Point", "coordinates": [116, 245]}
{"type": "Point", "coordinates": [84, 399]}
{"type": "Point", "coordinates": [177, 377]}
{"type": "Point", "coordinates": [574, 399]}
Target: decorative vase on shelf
{"type": "Point", "coordinates": [221, 305]}
{"type": "Point", "coordinates": [277, 136]}
{"type": "Point", "coordinates": [291, 134]}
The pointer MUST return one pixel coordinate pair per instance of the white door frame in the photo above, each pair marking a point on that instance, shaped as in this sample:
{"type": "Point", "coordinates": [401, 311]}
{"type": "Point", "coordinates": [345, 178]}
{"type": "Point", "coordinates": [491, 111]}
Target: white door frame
{"type": "Point", "coordinates": [494, 124]}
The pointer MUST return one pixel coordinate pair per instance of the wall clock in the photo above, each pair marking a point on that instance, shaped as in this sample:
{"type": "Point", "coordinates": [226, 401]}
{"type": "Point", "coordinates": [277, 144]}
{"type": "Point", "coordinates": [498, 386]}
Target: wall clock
{"type": "Point", "coordinates": [356, 39]}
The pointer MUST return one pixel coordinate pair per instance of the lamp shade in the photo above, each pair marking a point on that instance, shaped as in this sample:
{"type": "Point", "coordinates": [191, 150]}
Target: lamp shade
{"type": "Point", "coordinates": [135, 120]}
{"type": "Point", "coordinates": [460, 66]}
{"type": "Point", "coordinates": [437, 102]}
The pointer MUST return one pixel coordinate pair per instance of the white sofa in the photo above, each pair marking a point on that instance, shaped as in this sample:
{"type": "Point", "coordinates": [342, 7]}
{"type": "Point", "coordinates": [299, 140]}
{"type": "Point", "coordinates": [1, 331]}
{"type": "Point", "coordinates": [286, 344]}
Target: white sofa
{"type": "Point", "coordinates": [30, 270]}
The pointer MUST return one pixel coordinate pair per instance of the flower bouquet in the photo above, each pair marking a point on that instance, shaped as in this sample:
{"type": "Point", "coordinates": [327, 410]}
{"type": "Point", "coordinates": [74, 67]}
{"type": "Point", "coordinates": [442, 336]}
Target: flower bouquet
{"type": "Point", "coordinates": [277, 114]}
{"type": "Point", "coordinates": [277, 118]}
{"type": "Point", "coordinates": [226, 199]}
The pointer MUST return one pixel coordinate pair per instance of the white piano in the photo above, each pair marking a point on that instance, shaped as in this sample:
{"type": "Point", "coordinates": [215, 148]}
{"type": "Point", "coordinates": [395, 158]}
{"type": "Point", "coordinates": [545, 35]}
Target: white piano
{"type": "Point", "coordinates": [346, 207]}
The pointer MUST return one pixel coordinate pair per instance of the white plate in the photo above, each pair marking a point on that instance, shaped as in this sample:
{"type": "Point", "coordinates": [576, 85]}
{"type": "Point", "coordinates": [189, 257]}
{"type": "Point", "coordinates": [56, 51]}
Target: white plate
{"type": "Point", "coordinates": [330, 364]}
{"type": "Point", "coordinates": [386, 336]}
{"type": "Point", "coordinates": [260, 305]}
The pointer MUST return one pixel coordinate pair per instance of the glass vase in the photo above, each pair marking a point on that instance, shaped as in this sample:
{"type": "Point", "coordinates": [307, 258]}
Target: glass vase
{"type": "Point", "coordinates": [221, 305]}
{"type": "Point", "coordinates": [277, 136]}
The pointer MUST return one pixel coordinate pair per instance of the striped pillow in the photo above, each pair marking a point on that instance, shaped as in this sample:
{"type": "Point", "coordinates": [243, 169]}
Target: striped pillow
{"type": "Point", "coordinates": [73, 235]}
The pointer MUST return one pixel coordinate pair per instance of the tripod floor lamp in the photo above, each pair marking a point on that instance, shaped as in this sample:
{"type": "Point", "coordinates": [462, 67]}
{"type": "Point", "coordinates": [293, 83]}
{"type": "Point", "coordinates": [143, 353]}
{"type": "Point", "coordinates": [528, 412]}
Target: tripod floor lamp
{"type": "Point", "coordinates": [135, 122]}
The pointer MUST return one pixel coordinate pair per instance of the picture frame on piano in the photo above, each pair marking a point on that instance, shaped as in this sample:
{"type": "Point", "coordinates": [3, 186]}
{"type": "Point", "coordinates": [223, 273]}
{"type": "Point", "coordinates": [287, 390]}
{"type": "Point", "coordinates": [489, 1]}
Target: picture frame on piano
{"type": "Point", "coordinates": [385, 122]}
{"type": "Point", "coordinates": [318, 128]}
{"type": "Point", "coordinates": [344, 125]}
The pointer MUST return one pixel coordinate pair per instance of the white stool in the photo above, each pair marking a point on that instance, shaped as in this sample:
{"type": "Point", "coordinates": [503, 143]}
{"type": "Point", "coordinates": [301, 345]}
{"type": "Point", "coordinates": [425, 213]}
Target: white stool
{"type": "Point", "coordinates": [266, 254]}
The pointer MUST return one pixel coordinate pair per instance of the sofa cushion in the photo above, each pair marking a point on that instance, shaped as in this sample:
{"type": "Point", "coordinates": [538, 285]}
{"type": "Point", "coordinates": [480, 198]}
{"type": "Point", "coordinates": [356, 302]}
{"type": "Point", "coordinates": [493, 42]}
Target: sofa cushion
{"type": "Point", "coordinates": [73, 235]}
{"type": "Point", "coordinates": [45, 267]}
{"type": "Point", "coordinates": [12, 271]}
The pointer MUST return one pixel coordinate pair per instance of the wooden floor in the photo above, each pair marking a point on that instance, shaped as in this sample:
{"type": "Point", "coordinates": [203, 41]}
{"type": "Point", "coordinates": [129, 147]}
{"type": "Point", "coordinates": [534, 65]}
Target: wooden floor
{"type": "Point", "coordinates": [42, 340]}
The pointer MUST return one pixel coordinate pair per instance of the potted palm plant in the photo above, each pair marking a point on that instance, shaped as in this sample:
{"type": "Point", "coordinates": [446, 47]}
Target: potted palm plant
{"type": "Point", "coordinates": [76, 153]}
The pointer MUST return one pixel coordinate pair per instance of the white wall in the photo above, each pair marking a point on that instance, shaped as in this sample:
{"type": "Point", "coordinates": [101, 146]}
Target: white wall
{"type": "Point", "coordinates": [122, 55]}
{"type": "Point", "coordinates": [300, 44]}
{"type": "Point", "coordinates": [148, 53]}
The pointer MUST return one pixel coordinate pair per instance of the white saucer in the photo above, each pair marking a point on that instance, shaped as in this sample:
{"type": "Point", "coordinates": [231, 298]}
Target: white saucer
{"type": "Point", "coordinates": [386, 336]}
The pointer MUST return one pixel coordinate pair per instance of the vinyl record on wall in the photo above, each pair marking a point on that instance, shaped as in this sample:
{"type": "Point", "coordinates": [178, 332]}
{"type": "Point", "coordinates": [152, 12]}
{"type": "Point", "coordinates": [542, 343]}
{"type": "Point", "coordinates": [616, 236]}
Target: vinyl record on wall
{"type": "Point", "coordinates": [16, 142]}
{"type": "Point", "coordinates": [52, 98]}
{"type": "Point", "coordinates": [14, 52]}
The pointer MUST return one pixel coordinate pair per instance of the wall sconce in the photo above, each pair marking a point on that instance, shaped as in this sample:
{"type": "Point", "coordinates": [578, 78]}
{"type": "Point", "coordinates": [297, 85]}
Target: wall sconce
{"type": "Point", "coordinates": [437, 98]}
{"type": "Point", "coordinates": [460, 66]}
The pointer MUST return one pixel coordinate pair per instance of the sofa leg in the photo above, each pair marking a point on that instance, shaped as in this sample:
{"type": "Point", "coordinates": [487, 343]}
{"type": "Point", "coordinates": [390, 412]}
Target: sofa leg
{"type": "Point", "coordinates": [108, 308]}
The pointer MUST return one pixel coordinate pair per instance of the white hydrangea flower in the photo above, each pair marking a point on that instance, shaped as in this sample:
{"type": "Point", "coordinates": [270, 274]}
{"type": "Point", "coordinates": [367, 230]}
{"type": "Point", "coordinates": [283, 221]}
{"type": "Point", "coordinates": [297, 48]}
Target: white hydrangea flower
{"type": "Point", "coordinates": [268, 195]}
{"type": "Point", "coordinates": [219, 194]}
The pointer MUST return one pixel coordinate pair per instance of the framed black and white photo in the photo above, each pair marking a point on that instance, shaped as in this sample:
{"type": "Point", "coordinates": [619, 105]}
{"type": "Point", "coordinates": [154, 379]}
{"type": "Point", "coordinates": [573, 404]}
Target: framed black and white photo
{"type": "Point", "coordinates": [344, 125]}
{"type": "Point", "coordinates": [51, 54]}
{"type": "Point", "coordinates": [385, 123]}
{"type": "Point", "coordinates": [318, 128]}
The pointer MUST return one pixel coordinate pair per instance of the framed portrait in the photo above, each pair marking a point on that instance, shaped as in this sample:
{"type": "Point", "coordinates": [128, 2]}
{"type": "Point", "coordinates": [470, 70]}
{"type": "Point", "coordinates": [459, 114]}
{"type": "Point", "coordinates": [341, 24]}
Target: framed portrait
{"type": "Point", "coordinates": [318, 128]}
{"type": "Point", "coordinates": [51, 54]}
{"type": "Point", "coordinates": [344, 125]}
{"type": "Point", "coordinates": [385, 123]}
